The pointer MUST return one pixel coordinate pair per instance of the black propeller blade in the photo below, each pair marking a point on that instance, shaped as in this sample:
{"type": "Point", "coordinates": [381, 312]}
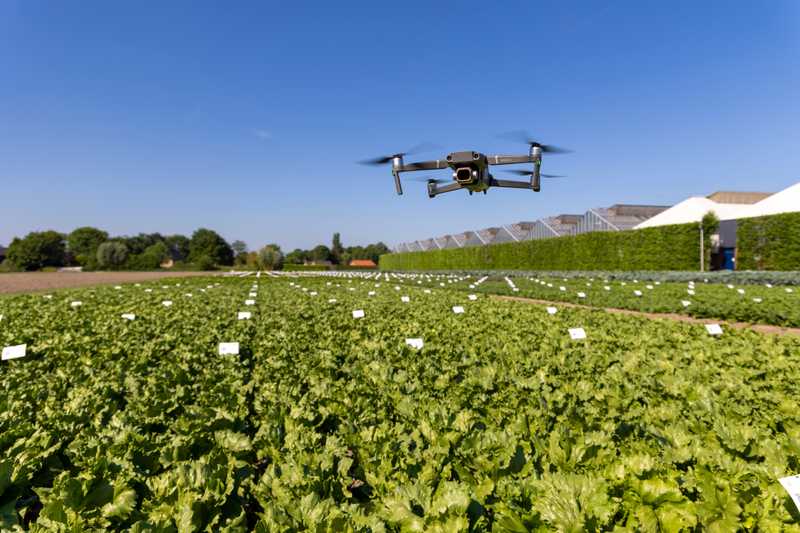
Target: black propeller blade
{"type": "Point", "coordinates": [422, 147]}
{"type": "Point", "coordinates": [525, 137]}
{"type": "Point", "coordinates": [430, 180]}
{"type": "Point", "coordinates": [530, 172]}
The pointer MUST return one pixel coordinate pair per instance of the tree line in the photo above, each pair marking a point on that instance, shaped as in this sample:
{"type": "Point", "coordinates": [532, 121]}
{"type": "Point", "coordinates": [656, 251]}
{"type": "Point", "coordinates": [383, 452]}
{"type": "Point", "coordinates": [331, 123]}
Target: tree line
{"type": "Point", "coordinates": [94, 249]}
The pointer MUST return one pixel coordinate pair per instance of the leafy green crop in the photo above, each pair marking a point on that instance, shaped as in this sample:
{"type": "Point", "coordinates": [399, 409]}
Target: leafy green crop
{"type": "Point", "coordinates": [328, 423]}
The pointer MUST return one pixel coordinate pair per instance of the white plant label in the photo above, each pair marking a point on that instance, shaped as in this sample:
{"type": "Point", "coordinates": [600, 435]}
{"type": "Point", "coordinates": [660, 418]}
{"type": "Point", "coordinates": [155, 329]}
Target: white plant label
{"type": "Point", "coordinates": [244, 315]}
{"type": "Point", "coordinates": [148, 290]}
{"type": "Point", "coordinates": [166, 303]}
{"type": "Point", "coordinates": [358, 313]}
{"type": "Point", "coordinates": [249, 302]}
{"type": "Point", "coordinates": [253, 295]}
{"type": "Point", "coordinates": [714, 329]}
{"type": "Point", "coordinates": [312, 293]}
{"type": "Point", "coordinates": [48, 296]}
{"type": "Point", "coordinates": [757, 300]}
{"type": "Point", "coordinates": [117, 288]}
{"type": "Point", "coordinates": [332, 301]}
{"type": "Point", "coordinates": [686, 303]}
{"type": "Point", "coordinates": [129, 316]}
{"type": "Point", "coordinates": [729, 286]}
{"type": "Point", "coordinates": [562, 288]}
{"type": "Point", "coordinates": [690, 292]}
{"type": "Point", "coordinates": [472, 297]}
{"type": "Point", "coordinates": [769, 285]}
{"type": "Point", "coordinates": [415, 343]}
{"type": "Point", "coordinates": [472, 286]}
{"type": "Point", "coordinates": [229, 348]}
{"type": "Point", "coordinates": [581, 295]}
{"type": "Point", "coordinates": [607, 288]}
{"type": "Point", "coordinates": [405, 299]}
{"type": "Point", "coordinates": [789, 290]}
{"type": "Point", "coordinates": [577, 333]}
{"type": "Point", "coordinates": [14, 352]}
{"type": "Point", "coordinates": [188, 294]}
{"type": "Point", "coordinates": [427, 291]}
{"type": "Point", "coordinates": [76, 304]}
{"type": "Point", "coordinates": [637, 292]}
{"type": "Point", "coordinates": [552, 310]}
{"type": "Point", "coordinates": [792, 485]}
{"type": "Point", "coordinates": [740, 291]}
{"type": "Point", "coordinates": [457, 309]}
{"type": "Point", "coordinates": [371, 293]}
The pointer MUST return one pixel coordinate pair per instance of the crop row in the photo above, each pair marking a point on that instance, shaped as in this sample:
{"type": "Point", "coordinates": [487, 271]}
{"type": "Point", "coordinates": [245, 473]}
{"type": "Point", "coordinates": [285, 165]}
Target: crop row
{"type": "Point", "coordinates": [325, 422]}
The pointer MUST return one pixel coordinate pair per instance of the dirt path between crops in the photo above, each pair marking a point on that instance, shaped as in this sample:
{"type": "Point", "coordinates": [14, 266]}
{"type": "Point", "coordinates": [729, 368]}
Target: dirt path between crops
{"type": "Point", "coordinates": [44, 281]}
{"type": "Point", "coordinates": [761, 328]}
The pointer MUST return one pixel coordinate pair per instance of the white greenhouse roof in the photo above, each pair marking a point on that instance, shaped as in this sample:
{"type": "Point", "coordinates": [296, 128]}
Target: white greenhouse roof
{"type": "Point", "coordinates": [692, 210]}
{"type": "Point", "coordinates": [785, 201]}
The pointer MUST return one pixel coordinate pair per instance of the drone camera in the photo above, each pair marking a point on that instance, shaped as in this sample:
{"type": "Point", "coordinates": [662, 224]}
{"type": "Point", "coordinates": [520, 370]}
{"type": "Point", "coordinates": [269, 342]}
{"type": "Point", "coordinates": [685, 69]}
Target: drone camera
{"type": "Point", "coordinates": [465, 174]}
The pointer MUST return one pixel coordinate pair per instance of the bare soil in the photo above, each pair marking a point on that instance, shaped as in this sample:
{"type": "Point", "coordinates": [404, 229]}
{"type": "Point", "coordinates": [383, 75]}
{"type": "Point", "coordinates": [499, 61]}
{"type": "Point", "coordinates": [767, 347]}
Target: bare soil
{"type": "Point", "coordinates": [45, 281]}
{"type": "Point", "coordinates": [761, 328]}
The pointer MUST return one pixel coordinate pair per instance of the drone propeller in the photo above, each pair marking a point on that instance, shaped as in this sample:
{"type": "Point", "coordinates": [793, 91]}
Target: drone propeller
{"type": "Point", "coordinates": [382, 160]}
{"type": "Point", "coordinates": [525, 137]}
{"type": "Point", "coordinates": [530, 172]}
{"type": "Point", "coordinates": [429, 180]}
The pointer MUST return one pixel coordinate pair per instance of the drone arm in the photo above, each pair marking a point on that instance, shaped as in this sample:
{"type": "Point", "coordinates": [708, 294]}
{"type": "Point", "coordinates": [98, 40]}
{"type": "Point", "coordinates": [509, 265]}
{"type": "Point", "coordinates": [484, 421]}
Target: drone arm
{"type": "Point", "coordinates": [509, 159]}
{"type": "Point", "coordinates": [511, 184]}
{"type": "Point", "coordinates": [424, 165]}
{"type": "Point", "coordinates": [433, 189]}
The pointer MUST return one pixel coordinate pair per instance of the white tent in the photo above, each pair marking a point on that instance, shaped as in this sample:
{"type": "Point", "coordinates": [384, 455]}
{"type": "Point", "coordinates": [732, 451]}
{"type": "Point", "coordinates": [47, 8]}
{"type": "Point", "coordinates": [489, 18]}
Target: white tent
{"type": "Point", "coordinates": [692, 210]}
{"type": "Point", "coordinates": [785, 201]}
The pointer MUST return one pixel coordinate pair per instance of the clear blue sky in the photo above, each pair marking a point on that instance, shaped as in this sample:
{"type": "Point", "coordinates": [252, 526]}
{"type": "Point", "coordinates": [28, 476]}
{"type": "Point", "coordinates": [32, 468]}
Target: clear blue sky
{"type": "Point", "coordinates": [248, 117]}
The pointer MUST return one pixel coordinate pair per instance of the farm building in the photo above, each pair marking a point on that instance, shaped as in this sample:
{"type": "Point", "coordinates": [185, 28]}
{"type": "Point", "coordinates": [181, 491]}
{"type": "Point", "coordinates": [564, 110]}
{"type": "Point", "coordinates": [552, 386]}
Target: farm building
{"type": "Point", "coordinates": [363, 263]}
{"type": "Point", "coordinates": [618, 217]}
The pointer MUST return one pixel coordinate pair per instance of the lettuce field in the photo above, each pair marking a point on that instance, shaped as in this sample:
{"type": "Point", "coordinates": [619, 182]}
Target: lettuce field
{"type": "Point", "coordinates": [413, 417]}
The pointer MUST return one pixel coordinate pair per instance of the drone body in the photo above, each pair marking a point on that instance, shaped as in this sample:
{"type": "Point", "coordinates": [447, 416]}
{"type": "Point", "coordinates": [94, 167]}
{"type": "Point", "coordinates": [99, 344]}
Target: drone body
{"type": "Point", "coordinates": [471, 170]}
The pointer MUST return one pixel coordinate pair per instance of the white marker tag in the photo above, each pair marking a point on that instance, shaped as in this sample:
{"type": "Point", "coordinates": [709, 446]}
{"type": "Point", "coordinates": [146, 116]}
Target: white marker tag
{"type": "Point", "coordinates": [249, 302]}
{"type": "Point", "coordinates": [358, 313]}
{"type": "Point", "coordinates": [690, 292]}
{"type": "Point", "coordinates": [713, 329]}
{"type": "Point", "coordinates": [76, 304]}
{"type": "Point", "coordinates": [371, 293]}
{"type": "Point", "coordinates": [457, 309]}
{"type": "Point", "coordinates": [405, 299]}
{"type": "Point", "coordinates": [396, 288]}
{"type": "Point", "coordinates": [729, 286]}
{"type": "Point", "coordinates": [137, 284]}
{"type": "Point", "coordinates": [229, 348]}
{"type": "Point", "coordinates": [515, 289]}
{"type": "Point", "coordinates": [562, 288]}
{"type": "Point", "coordinates": [129, 316]}
{"type": "Point", "coordinates": [472, 286]}
{"type": "Point", "coordinates": [649, 287]}
{"type": "Point", "coordinates": [332, 301]}
{"type": "Point", "coordinates": [48, 296]}
{"type": "Point", "coordinates": [415, 343]}
{"type": "Point", "coordinates": [769, 285]}
{"type": "Point", "coordinates": [441, 284]}
{"type": "Point", "coordinates": [577, 333]}
{"type": "Point", "coordinates": [258, 274]}
{"type": "Point", "coordinates": [686, 303]}
{"type": "Point", "coordinates": [472, 297]}
{"type": "Point", "coordinates": [792, 485]}
{"type": "Point", "coordinates": [253, 295]}
{"type": "Point", "coordinates": [637, 292]}
{"type": "Point", "coordinates": [14, 352]}
{"type": "Point", "coordinates": [757, 300]}
{"type": "Point", "coordinates": [166, 303]}
{"type": "Point", "coordinates": [188, 295]}
{"type": "Point", "coordinates": [312, 293]}
{"type": "Point", "coordinates": [244, 315]}
{"type": "Point", "coordinates": [789, 290]}
{"type": "Point", "coordinates": [740, 291]}
{"type": "Point", "coordinates": [581, 295]}
{"type": "Point", "coordinates": [427, 291]}
{"type": "Point", "coordinates": [117, 288]}
{"type": "Point", "coordinates": [351, 289]}
{"type": "Point", "coordinates": [552, 310]}
{"type": "Point", "coordinates": [607, 288]}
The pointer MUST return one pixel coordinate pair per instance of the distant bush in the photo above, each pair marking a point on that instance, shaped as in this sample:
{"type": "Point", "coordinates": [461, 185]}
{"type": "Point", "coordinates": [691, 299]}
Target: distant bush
{"type": "Point", "coordinates": [111, 255]}
{"type": "Point", "coordinates": [270, 257]}
{"type": "Point", "coordinates": [300, 268]}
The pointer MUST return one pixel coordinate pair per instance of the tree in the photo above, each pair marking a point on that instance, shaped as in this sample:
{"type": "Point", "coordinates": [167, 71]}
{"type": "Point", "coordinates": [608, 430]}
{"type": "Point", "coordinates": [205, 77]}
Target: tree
{"type": "Point", "coordinates": [239, 247]}
{"type": "Point", "coordinates": [321, 253]}
{"type": "Point", "coordinates": [296, 257]}
{"type": "Point", "coordinates": [206, 243]}
{"type": "Point", "coordinates": [112, 254]}
{"type": "Point", "coordinates": [336, 248]}
{"type": "Point", "coordinates": [37, 250]}
{"type": "Point", "coordinates": [150, 259]}
{"type": "Point", "coordinates": [178, 246]}
{"type": "Point", "coordinates": [83, 243]}
{"type": "Point", "coordinates": [139, 243]}
{"type": "Point", "coordinates": [270, 257]}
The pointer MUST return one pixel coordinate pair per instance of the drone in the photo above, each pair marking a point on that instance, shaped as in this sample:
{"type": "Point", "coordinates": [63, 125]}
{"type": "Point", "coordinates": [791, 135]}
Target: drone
{"type": "Point", "coordinates": [470, 169]}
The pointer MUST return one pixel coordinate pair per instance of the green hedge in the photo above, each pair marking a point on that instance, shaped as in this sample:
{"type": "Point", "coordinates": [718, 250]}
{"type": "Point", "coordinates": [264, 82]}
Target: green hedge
{"type": "Point", "coordinates": [299, 268]}
{"type": "Point", "coordinates": [674, 247]}
{"type": "Point", "coordinates": [768, 243]}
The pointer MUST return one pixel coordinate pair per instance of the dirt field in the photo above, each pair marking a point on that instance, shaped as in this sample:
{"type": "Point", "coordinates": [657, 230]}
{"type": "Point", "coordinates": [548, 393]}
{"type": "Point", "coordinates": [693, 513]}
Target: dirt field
{"type": "Point", "coordinates": [46, 281]}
